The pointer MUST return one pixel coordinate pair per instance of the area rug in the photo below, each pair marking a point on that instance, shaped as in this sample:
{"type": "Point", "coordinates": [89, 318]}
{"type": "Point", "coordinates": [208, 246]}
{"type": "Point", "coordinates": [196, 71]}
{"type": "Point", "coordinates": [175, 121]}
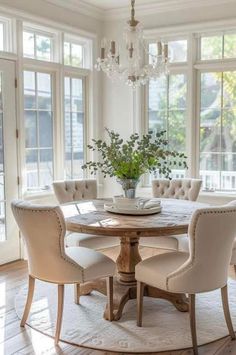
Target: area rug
{"type": "Point", "coordinates": [164, 328]}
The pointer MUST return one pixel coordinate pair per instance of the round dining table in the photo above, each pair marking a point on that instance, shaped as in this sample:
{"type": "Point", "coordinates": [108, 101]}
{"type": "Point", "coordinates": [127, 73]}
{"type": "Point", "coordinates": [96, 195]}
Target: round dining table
{"type": "Point", "coordinates": [91, 218]}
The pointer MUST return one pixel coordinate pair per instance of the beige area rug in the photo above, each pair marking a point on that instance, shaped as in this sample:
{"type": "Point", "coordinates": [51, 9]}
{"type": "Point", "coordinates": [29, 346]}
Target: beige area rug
{"type": "Point", "coordinates": [164, 328]}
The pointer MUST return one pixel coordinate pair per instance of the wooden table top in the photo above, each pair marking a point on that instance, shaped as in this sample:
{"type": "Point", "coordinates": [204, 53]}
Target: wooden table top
{"type": "Point", "coordinates": [89, 217]}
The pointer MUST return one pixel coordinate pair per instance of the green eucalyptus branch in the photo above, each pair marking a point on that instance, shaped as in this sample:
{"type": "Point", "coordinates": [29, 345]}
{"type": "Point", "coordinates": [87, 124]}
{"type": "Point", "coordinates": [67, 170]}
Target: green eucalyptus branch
{"type": "Point", "coordinates": [135, 157]}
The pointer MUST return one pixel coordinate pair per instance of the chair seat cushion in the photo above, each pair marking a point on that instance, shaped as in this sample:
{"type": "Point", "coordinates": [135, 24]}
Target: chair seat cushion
{"type": "Point", "coordinates": [154, 271]}
{"type": "Point", "coordinates": [91, 241]}
{"type": "Point", "coordinates": [95, 265]}
{"type": "Point", "coordinates": [175, 242]}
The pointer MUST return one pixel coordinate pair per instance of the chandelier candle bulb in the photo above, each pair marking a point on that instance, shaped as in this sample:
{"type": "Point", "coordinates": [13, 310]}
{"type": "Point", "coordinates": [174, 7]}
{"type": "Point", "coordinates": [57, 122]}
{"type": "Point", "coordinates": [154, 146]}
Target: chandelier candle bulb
{"type": "Point", "coordinates": [113, 48]}
{"type": "Point", "coordinates": [166, 51]}
{"type": "Point", "coordinates": [102, 53]}
{"type": "Point", "coordinates": [159, 48]}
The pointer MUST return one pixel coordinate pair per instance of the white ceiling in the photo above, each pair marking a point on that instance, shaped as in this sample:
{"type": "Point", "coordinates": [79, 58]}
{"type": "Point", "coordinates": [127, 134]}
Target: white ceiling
{"type": "Point", "coordinates": [115, 4]}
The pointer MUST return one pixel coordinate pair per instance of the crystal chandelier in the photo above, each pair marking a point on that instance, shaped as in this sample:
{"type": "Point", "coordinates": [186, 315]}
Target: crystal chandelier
{"type": "Point", "coordinates": [133, 72]}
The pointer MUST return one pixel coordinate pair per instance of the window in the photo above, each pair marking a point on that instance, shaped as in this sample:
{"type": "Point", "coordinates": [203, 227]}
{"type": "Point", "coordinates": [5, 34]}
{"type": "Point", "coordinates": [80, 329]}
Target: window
{"type": "Point", "coordinates": [218, 47]}
{"type": "Point", "coordinates": [167, 111]}
{"type": "Point", "coordinates": [218, 130]}
{"type": "Point", "coordinates": [74, 127]}
{"type": "Point", "coordinates": [38, 112]}
{"type": "Point", "coordinates": [73, 54]}
{"type": "Point", "coordinates": [177, 50]}
{"type": "Point", "coordinates": [37, 45]}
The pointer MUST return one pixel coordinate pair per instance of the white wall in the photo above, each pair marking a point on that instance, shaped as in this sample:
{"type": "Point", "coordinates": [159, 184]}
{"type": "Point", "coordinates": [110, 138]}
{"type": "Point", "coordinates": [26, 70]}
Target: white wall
{"type": "Point", "coordinates": [118, 107]}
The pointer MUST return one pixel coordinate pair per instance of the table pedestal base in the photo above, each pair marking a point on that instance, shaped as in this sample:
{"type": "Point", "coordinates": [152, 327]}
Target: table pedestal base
{"type": "Point", "coordinates": [124, 293]}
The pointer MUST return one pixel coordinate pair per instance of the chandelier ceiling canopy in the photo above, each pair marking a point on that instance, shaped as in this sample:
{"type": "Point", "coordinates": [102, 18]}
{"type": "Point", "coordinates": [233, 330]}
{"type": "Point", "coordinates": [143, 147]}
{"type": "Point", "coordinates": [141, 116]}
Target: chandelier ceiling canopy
{"type": "Point", "coordinates": [133, 70]}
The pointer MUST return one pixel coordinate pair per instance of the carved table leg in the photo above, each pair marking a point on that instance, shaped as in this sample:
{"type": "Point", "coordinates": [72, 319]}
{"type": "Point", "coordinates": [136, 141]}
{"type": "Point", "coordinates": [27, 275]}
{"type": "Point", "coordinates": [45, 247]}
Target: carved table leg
{"type": "Point", "coordinates": [125, 284]}
{"type": "Point", "coordinates": [128, 258]}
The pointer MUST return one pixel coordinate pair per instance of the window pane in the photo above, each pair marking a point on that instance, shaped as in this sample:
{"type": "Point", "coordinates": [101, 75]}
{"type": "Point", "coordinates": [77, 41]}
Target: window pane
{"type": "Point", "coordinates": [178, 51]}
{"type": "Point", "coordinates": [212, 47]}
{"type": "Point", "coordinates": [177, 130]}
{"type": "Point", "coordinates": [77, 95]}
{"type": "Point", "coordinates": [32, 168]}
{"type": "Point", "coordinates": [76, 55]}
{"type": "Point", "coordinates": [74, 127]}
{"type": "Point", "coordinates": [45, 129]}
{"type": "Point", "coordinates": [38, 130]}
{"type": "Point", "coordinates": [73, 54]}
{"type": "Point", "coordinates": [178, 91]}
{"type": "Point", "coordinates": [218, 134]}
{"type": "Point", "coordinates": [211, 90]}
{"type": "Point", "coordinates": [28, 44]}
{"type": "Point", "coordinates": [230, 46]}
{"type": "Point", "coordinates": [46, 168]}
{"type": "Point", "coordinates": [229, 90]}
{"type": "Point", "coordinates": [44, 91]}
{"type": "Point", "coordinates": [167, 111]}
{"type": "Point", "coordinates": [43, 48]}
{"type": "Point", "coordinates": [29, 90]}
{"type": "Point", "coordinates": [67, 58]}
{"type": "Point", "coordinates": [30, 129]}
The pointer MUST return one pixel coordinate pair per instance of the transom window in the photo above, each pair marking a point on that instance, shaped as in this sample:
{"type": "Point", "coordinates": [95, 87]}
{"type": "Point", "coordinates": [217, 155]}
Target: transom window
{"type": "Point", "coordinates": [37, 45]}
{"type": "Point", "coordinates": [74, 54]}
{"type": "Point", "coordinates": [218, 47]}
{"type": "Point", "coordinates": [177, 50]}
{"type": "Point", "coordinates": [38, 112]}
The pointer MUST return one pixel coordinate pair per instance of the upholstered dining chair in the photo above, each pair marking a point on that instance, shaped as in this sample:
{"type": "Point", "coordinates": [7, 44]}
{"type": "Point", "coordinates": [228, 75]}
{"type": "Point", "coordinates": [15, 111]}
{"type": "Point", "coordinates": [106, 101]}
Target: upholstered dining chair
{"type": "Point", "coordinates": [211, 229]}
{"type": "Point", "coordinates": [76, 190]}
{"type": "Point", "coordinates": [43, 230]}
{"type": "Point", "coordinates": [184, 245]}
{"type": "Point", "coordinates": [183, 189]}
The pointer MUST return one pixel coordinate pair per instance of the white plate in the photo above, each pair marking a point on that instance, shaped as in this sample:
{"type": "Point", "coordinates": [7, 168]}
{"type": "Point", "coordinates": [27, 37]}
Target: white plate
{"type": "Point", "coordinates": [135, 212]}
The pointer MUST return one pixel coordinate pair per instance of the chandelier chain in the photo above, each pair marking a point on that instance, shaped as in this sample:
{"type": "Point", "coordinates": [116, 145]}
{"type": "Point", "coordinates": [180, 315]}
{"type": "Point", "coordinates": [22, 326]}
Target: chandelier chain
{"type": "Point", "coordinates": [132, 10]}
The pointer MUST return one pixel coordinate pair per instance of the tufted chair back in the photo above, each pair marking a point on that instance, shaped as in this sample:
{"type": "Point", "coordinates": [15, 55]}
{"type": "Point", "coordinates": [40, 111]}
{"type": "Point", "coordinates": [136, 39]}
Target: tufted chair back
{"type": "Point", "coordinates": [43, 230]}
{"type": "Point", "coordinates": [74, 190]}
{"type": "Point", "coordinates": [211, 233]}
{"type": "Point", "coordinates": [183, 189]}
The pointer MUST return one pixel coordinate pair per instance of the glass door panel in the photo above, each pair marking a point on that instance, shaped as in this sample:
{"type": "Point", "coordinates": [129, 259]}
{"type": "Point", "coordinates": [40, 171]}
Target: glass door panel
{"type": "Point", "coordinates": [9, 235]}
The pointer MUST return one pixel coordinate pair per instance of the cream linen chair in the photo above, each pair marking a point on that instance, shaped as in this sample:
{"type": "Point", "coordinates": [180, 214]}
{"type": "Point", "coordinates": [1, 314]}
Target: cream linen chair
{"type": "Point", "coordinates": [184, 246]}
{"type": "Point", "coordinates": [211, 229]}
{"type": "Point", "coordinates": [43, 230]}
{"type": "Point", "coordinates": [75, 190]}
{"type": "Point", "coordinates": [183, 189]}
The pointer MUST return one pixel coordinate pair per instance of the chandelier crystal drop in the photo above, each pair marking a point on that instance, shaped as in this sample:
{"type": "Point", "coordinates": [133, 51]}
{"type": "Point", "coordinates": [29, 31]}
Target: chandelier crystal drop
{"type": "Point", "coordinates": [133, 71]}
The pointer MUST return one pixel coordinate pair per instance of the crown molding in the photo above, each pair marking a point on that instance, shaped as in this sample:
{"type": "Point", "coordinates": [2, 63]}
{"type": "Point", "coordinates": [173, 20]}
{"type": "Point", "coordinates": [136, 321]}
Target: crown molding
{"type": "Point", "coordinates": [80, 7]}
{"type": "Point", "coordinates": [162, 6]}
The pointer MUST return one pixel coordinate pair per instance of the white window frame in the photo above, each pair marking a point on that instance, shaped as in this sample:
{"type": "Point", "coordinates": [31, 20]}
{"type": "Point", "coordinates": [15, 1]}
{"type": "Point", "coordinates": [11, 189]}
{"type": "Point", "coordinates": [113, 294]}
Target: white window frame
{"type": "Point", "coordinates": [194, 66]}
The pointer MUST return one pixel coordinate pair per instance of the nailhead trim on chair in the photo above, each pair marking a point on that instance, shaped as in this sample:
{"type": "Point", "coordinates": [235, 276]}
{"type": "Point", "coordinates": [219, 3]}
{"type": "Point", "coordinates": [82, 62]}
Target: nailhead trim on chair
{"type": "Point", "coordinates": [173, 275]}
{"type": "Point", "coordinates": [61, 230]}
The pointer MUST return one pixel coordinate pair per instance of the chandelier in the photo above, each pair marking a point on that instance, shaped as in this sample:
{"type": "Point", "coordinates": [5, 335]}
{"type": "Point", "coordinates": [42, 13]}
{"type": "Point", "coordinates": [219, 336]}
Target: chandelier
{"type": "Point", "coordinates": [133, 71]}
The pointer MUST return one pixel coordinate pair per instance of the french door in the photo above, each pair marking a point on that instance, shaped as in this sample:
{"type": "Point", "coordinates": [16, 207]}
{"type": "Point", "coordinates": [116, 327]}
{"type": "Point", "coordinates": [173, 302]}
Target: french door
{"type": "Point", "coordinates": [9, 235]}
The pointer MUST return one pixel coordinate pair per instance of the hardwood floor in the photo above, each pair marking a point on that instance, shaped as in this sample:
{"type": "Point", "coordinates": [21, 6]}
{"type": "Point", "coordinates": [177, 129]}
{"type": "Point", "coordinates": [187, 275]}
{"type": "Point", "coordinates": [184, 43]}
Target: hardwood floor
{"type": "Point", "coordinates": [25, 341]}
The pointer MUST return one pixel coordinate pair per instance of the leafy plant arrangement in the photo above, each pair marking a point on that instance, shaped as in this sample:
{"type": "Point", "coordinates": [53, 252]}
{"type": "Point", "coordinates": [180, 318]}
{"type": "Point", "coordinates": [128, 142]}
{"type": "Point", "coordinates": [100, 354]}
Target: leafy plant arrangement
{"type": "Point", "coordinates": [135, 157]}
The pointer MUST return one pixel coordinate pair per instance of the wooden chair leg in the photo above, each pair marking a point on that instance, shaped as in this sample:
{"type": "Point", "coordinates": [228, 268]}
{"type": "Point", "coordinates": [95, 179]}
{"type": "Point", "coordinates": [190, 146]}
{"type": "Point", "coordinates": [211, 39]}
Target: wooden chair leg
{"type": "Point", "coordinates": [59, 312]}
{"type": "Point", "coordinates": [192, 315]}
{"type": "Point", "coordinates": [140, 291]}
{"type": "Point", "coordinates": [110, 298]}
{"type": "Point", "coordinates": [29, 301]}
{"type": "Point", "coordinates": [76, 293]}
{"type": "Point", "coordinates": [225, 303]}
